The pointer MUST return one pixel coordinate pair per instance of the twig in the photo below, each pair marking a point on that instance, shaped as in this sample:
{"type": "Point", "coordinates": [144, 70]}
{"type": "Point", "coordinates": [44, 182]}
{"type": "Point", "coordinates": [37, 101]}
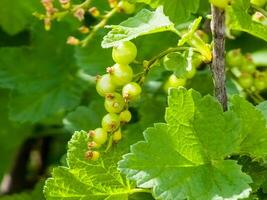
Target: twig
{"type": "Point", "coordinates": [218, 63]}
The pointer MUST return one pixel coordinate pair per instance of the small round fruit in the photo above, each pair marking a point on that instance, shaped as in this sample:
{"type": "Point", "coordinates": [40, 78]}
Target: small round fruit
{"type": "Point", "coordinates": [111, 122]}
{"type": "Point", "coordinates": [220, 3]}
{"type": "Point", "coordinates": [117, 136]}
{"type": "Point", "coordinates": [259, 3]}
{"type": "Point", "coordinates": [127, 7]}
{"type": "Point", "coordinates": [125, 116]}
{"type": "Point", "coordinates": [105, 85]}
{"type": "Point", "coordinates": [248, 67]}
{"type": "Point", "coordinates": [114, 103]}
{"type": "Point", "coordinates": [174, 82]}
{"type": "Point", "coordinates": [234, 58]}
{"type": "Point", "coordinates": [92, 155]}
{"type": "Point", "coordinates": [124, 53]}
{"type": "Point", "coordinates": [246, 80]}
{"type": "Point", "coordinates": [121, 74]}
{"type": "Point", "coordinates": [131, 91]}
{"type": "Point", "coordinates": [99, 135]}
{"type": "Point", "coordinates": [260, 82]}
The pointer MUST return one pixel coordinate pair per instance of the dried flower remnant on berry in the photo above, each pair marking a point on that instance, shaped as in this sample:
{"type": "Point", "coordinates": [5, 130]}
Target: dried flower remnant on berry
{"type": "Point", "coordinates": [79, 14]}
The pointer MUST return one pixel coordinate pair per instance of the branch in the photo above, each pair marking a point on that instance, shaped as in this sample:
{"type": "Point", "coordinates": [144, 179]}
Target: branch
{"type": "Point", "coordinates": [218, 63]}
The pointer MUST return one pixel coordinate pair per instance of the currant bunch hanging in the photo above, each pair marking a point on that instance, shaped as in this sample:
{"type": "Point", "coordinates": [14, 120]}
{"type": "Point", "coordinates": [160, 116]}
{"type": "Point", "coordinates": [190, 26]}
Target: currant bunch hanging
{"type": "Point", "coordinates": [118, 89]}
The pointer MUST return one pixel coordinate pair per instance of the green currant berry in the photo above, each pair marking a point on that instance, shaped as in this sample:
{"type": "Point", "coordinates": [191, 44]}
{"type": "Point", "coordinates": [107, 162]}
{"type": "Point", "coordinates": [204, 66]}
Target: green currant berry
{"type": "Point", "coordinates": [174, 82]}
{"type": "Point", "coordinates": [246, 80]}
{"type": "Point", "coordinates": [121, 74]}
{"type": "Point", "coordinates": [125, 116]}
{"type": "Point", "coordinates": [259, 84]}
{"type": "Point", "coordinates": [114, 103]}
{"type": "Point", "coordinates": [111, 122]}
{"type": "Point", "coordinates": [99, 135]}
{"type": "Point", "coordinates": [105, 85]}
{"type": "Point", "coordinates": [92, 155]}
{"type": "Point", "coordinates": [131, 91]}
{"type": "Point", "coordinates": [117, 136]}
{"type": "Point", "coordinates": [234, 58]}
{"type": "Point", "coordinates": [259, 3]}
{"type": "Point", "coordinates": [127, 7]}
{"type": "Point", "coordinates": [220, 3]}
{"type": "Point", "coordinates": [124, 53]}
{"type": "Point", "coordinates": [248, 67]}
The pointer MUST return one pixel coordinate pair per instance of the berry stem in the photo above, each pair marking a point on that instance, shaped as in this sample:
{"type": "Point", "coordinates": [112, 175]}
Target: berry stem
{"type": "Point", "coordinates": [109, 144]}
{"type": "Point", "coordinates": [149, 64]}
{"type": "Point", "coordinates": [218, 62]}
{"type": "Point", "coordinates": [100, 25]}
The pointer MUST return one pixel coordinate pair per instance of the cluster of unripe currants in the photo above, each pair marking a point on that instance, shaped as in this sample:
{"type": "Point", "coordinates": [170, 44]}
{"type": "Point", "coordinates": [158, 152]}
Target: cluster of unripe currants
{"type": "Point", "coordinates": [118, 89]}
{"type": "Point", "coordinates": [245, 71]}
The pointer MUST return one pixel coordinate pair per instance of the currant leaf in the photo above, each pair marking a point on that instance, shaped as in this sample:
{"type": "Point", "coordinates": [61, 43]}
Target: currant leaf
{"type": "Point", "coordinates": [85, 179]}
{"type": "Point", "coordinates": [191, 152]}
{"type": "Point", "coordinates": [145, 22]}
{"type": "Point", "coordinates": [238, 19]}
{"type": "Point", "coordinates": [253, 128]}
{"type": "Point", "coordinates": [178, 10]}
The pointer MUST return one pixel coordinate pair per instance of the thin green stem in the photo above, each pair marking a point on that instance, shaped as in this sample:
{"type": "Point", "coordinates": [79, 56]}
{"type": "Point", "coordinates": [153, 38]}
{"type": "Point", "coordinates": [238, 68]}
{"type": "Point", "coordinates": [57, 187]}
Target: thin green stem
{"type": "Point", "coordinates": [100, 25]}
{"type": "Point", "coordinates": [152, 62]}
{"type": "Point", "coordinates": [84, 5]}
{"type": "Point", "coordinates": [110, 141]}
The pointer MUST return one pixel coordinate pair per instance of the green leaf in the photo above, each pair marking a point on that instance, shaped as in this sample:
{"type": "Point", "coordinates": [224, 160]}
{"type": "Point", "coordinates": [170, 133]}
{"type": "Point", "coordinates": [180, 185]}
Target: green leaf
{"type": "Point", "coordinates": [191, 31]}
{"type": "Point", "coordinates": [44, 82]}
{"type": "Point", "coordinates": [257, 171]}
{"type": "Point", "coordinates": [177, 157]}
{"type": "Point", "coordinates": [145, 22]}
{"type": "Point", "coordinates": [94, 59]}
{"type": "Point", "coordinates": [202, 82]}
{"type": "Point", "coordinates": [253, 128]}
{"type": "Point", "coordinates": [177, 63]}
{"type": "Point", "coordinates": [178, 10]}
{"type": "Point", "coordinates": [84, 179]}
{"type": "Point", "coordinates": [12, 136]}
{"type": "Point", "coordinates": [263, 108]}
{"type": "Point", "coordinates": [239, 19]}
{"type": "Point", "coordinates": [16, 15]}
{"type": "Point", "coordinates": [85, 118]}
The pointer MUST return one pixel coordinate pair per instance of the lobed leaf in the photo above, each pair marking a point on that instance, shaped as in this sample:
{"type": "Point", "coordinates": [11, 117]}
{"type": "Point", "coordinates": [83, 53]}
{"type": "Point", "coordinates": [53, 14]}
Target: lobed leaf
{"type": "Point", "coordinates": [145, 22]}
{"type": "Point", "coordinates": [178, 10]}
{"type": "Point", "coordinates": [185, 158]}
